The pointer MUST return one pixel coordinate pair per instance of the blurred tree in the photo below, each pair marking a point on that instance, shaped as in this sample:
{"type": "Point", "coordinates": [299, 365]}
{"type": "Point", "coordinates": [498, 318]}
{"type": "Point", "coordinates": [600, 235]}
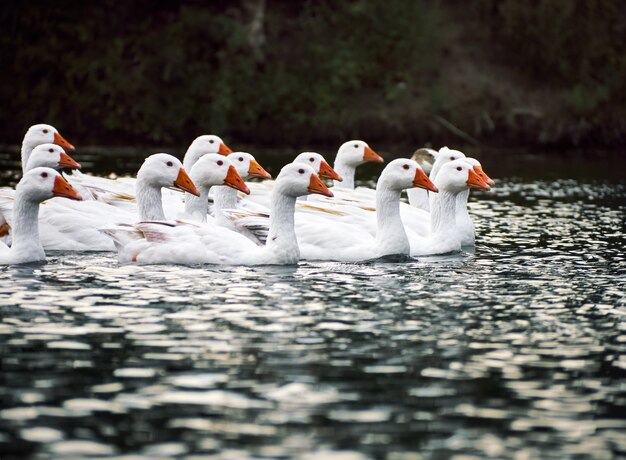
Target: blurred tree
{"type": "Point", "coordinates": [280, 72]}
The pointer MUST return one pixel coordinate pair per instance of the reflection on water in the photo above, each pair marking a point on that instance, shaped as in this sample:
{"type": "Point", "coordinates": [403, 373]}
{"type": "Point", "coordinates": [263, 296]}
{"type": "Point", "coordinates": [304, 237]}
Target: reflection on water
{"type": "Point", "coordinates": [513, 351]}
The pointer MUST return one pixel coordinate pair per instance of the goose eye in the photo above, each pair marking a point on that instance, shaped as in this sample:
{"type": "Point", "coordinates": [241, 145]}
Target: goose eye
{"type": "Point", "coordinates": [356, 146]}
{"type": "Point", "coordinates": [211, 141]}
{"type": "Point", "coordinates": [458, 168]}
{"type": "Point", "coordinates": [44, 174]}
{"type": "Point", "coordinates": [45, 131]}
{"type": "Point", "coordinates": [311, 159]}
{"type": "Point", "coordinates": [240, 158]}
{"type": "Point", "coordinates": [301, 171]}
{"type": "Point", "coordinates": [220, 162]}
{"type": "Point", "coordinates": [169, 163]}
{"type": "Point", "coordinates": [451, 158]}
{"type": "Point", "coordinates": [50, 150]}
{"type": "Point", "coordinates": [406, 166]}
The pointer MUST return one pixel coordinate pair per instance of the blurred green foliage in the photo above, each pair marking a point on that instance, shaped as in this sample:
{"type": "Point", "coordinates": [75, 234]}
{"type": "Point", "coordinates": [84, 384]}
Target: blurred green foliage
{"type": "Point", "coordinates": [578, 45]}
{"type": "Point", "coordinates": [280, 72]}
{"type": "Point", "coordinates": [161, 72]}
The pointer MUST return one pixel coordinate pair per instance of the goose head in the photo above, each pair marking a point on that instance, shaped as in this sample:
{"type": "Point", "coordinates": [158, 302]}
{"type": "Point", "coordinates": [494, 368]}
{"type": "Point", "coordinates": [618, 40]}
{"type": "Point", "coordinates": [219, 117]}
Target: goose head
{"type": "Point", "coordinates": [50, 156]}
{"type": "Point", "coordinates": [446, 154]}
{"type": "Point", "coordinates": [298, 179]}
{"type": "Point", "coordinates": [41, 183]}
{"type": "Point", "coordinates": [202, 145]}
{"type": "Point", "coordinates": [355, 153]}
{"type": "Point", "coordinates": [443, 156]}
{"type": "Point", "coordinates": [425, 157]}
{"type": "Point", "coordinates": [45, 134]}
{"type": "Point", "coordinates": [247, 166]}
{"type": "Point", "coordinates": [402, 173]}
{"type": "Point", "coordinates": [164, 170]}
{"type": "Point", "coordinates": [458, 175]}
{"type": "Point", "coordinates": [319, 165]}
{"type": "Point", "coordinates": [478, 168]}
{"type": "Point", "coordinates": [214, 169]}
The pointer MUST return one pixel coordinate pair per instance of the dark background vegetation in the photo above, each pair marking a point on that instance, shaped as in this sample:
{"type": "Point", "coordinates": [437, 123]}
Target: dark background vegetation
{"type": "Point", "coordinates": [284, 72]}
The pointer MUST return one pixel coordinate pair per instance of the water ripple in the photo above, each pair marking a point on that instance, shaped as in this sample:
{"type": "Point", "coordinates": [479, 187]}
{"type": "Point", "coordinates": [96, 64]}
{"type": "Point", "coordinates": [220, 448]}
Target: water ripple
{"type": "Point", "coordinates": [515, 350]}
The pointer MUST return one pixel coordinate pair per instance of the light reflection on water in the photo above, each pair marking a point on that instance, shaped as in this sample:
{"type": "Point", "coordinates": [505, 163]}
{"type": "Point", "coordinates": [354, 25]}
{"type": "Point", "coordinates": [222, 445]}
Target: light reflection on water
{"type": "Point", "coordinates": [513, 351]}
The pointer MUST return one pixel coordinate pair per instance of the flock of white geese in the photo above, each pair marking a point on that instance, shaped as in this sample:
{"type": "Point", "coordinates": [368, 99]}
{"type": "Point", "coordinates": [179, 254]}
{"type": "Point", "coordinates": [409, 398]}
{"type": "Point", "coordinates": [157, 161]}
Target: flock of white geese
{"type": "Point", "coordinates": [220, 219]}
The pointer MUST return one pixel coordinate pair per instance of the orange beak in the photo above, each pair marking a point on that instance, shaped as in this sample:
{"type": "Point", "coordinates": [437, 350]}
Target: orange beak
{"type": "Point", "coordinates": [234, 180]}
{"type": "Point", "coordinates": [256, 170]}
{"type": "Point", "coordinates": [224, 149]}
{"type": "Point", "coordinates": [66, 161]}
{"type": "Point", "coordinates": [486, 178]}
{"type": "Point", "coordinates": [184, 182]}
{"type": "Point", "coordinates": [370, 155]}
{"type": "Point", "coordinates": [475, 181]}
{"type": "Point", "coordinates": [317, 186]}
{"type": "Point", "coordinates": [421, 180]}
{"type": "Point", "coordinates": [328, 173]}
{"type": "Point", "coordinates": [61, 142]}
{"type": "Point", "coordinates": [64, 189]}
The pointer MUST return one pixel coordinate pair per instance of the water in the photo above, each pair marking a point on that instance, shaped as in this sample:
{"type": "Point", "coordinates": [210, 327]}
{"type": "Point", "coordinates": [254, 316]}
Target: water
{"type": "Point", "coordinates": [513, 351]}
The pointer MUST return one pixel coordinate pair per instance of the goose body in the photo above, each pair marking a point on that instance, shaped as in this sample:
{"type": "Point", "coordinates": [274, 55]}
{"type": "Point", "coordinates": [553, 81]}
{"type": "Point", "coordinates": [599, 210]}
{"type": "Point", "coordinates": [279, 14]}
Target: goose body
{"type": "Point", "coordinates": [331, 239]}
{"type": "Point", "coordinates": [150, 243]}
{"type": "Point", "coordinates": [74, 226]}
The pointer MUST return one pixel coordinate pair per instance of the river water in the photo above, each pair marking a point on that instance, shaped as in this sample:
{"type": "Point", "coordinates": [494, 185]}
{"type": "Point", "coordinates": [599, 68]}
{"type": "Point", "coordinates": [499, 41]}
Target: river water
{"type": "Point", "coordinates": [515, 350]}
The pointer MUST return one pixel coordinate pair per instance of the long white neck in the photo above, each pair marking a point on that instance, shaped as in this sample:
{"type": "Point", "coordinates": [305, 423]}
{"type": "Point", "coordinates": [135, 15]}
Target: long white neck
{"type": "Point", "coordinates": [464, 222]}
{"type": "Point", "coordinates": [25, 230]}
{"type": "Point", "coordinates": [224, 197]}
{"type": "Point", "coordinates": [190, 159]}
{"type": "Point", "coordinates": [281, 241]}
{"type": "Point", "coordinates": [347, 172]}
{"type": "Point", "coordinates": [439, 162]}
{"type": "Point", "coordinates": [418, 197]}
{"type": "Point", "coordinates": [27, 149]}
{"type": "Point", "coordinates": [197, 207]}
{"type": "Point", "coordinates": [391, 237]}
{"type": "Point", "coordinates": [149, 201]}
{"type": "Point", "coordinates": [443, 214]}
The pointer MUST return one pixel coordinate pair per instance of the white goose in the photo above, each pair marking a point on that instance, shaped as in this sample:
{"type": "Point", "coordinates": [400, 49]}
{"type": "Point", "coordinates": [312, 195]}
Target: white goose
{"type": "Point", "coordinates": [189, 244]}
{"type": "Point", "coordinates": [37, 185]}
{"type": "Point", "coordinates": [431, 160]}
{"type": "Point", "coordinates": [123, 188]}
{"type": "Point", "coordinates": [417, 216]}
{"type": "Point", "coordinates": [348, 241]}
{"type": "Point", "coordinates": [261, 192]}
{"type": "Point", "coordinates": [215, 171]}
{"type": "Point", "coordinates": [158, 171]}
{"type": "Point", "coordinates": [437, 232]}
{"type": "Point", "coordinates": [50, 156]}
{"type": "Point", "coordinates": [41, 134]}
{"type": "Point", "coordinates": [453, 178]}
{"type": "Point", "coordinates": [44, 156]}
{"type": "Point", "coordinates": [350, 155]}
{"type": "Point", "coordinates": [421, 200]}
{"type": "Point", "coordinates": [73, 226]}
{"type": "Point", "coordinates": [225, 197]}
{"type": "Point", "coordinates": [464, 223]}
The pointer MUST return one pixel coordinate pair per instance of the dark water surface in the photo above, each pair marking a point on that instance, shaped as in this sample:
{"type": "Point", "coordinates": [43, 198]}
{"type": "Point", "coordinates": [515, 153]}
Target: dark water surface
{"type": "Point", "coordinates": [513, 351]}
